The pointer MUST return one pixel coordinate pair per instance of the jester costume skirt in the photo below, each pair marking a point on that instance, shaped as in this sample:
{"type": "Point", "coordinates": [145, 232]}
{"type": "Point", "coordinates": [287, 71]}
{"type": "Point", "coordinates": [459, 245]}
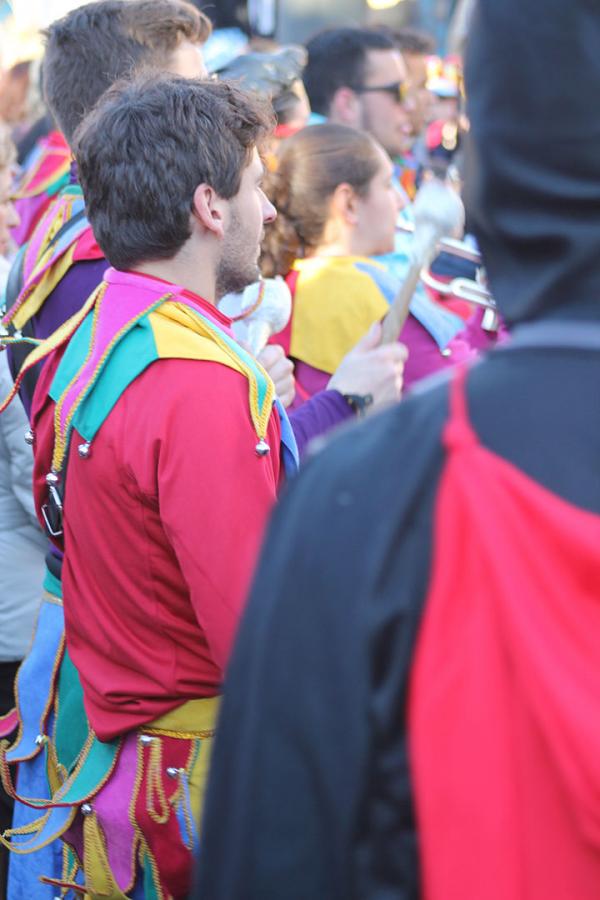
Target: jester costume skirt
{"type": "Point", "coordinates": [45, 671]}
{"type": "Point", "coordinates": [127, 811]}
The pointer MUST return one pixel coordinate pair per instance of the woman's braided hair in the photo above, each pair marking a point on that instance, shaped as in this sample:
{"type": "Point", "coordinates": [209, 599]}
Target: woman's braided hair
{"type": "Point", "coordinates": [309, 167]}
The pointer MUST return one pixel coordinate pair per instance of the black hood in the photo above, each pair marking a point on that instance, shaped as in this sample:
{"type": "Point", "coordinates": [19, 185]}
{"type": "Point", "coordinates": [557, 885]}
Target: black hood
{"type": "Point", "coordinates": [533, 175]}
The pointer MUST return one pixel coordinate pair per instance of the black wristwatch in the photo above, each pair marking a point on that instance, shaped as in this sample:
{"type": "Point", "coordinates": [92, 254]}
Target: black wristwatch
{"type": "Point", "coordinates": [359, 402]}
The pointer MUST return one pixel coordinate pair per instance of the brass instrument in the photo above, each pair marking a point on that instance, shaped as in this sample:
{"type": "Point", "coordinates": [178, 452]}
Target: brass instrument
{"type": "Point", "coordinates": [464, 288]}
{"type": "Point", "coordinates": [449, 245]}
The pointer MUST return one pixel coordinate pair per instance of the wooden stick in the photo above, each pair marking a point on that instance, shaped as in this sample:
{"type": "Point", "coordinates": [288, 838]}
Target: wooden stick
{"type": "Point", "coordinates": [438, 212]}
{"type": "Point", "coordinates": [394, 321]}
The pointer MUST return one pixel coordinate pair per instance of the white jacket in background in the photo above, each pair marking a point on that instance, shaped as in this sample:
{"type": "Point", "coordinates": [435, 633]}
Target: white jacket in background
{"type": "Point", "coordinates": [22, 544]}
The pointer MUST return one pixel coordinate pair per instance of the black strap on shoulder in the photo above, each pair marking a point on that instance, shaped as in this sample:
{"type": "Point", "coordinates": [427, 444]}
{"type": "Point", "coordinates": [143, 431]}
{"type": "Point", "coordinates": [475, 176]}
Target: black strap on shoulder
{"type": "Point", "coordinates": [19, 352]}
{"type": "Point", "coordinates": [14, 285]}
{"type": "Point", "coordinates": [64, 228]}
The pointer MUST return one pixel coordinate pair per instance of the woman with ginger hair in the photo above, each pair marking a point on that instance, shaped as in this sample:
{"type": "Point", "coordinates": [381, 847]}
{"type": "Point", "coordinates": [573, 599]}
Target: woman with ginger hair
{"type": "Point", "coordinates": [337, 207]}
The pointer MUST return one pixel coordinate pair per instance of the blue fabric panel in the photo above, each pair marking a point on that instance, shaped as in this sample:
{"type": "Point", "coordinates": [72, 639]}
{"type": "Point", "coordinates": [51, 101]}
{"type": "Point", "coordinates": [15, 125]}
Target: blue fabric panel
{"type": "Point", "coordinates": [35, 681]}
{"type": "Point", "coordinates": [24, 871]}
{"type": "Point", "coordinates": [291, 458]}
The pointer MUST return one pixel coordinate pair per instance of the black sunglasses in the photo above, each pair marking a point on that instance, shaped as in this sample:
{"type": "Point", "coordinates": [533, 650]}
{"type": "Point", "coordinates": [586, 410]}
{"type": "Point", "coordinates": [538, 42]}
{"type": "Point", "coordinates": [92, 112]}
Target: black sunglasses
{"type": "Point", "coordinates": [397, 90]}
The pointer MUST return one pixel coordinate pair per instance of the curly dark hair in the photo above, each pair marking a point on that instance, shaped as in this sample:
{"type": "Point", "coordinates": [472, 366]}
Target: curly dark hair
{"type": "Point", "coordinates": [146, 147]}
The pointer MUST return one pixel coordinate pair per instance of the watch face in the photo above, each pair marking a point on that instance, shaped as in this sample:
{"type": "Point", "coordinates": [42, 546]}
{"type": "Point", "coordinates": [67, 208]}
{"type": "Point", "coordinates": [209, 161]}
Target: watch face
{"type": "Point", "coordinates": [359, 402]}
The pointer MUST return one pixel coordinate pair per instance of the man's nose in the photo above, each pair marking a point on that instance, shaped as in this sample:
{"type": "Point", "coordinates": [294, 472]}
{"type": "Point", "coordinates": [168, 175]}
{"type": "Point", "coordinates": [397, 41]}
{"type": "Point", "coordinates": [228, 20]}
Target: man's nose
{"type": "Point", "coordinates": [269, 211]}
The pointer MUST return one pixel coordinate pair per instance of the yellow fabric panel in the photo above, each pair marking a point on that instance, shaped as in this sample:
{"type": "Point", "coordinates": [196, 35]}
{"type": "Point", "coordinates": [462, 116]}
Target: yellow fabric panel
{"type": "Point", "coordinates": [198, 778]}
{"type": "Point", "coordinates": [191, 717]}
{"type": "Point", "coordinates": [335, 304]}
{"type": "Point", "coordinates": [174, 341]}
{"type": "Point", "coordinates": [178, 333]}
{"type": "Point", "coordinates": [33, 303]}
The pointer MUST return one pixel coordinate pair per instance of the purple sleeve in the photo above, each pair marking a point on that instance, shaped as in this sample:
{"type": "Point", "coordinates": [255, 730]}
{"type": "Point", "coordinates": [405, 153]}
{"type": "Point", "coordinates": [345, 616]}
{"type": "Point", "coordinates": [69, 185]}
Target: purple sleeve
{"type": "Point", "coordinates": [309, 381]}
{"type": "Point", "coordinates": [425, 357]}
{"type": "Point", "coordinates": [317, 416]}
{"type": "Point", "coordinates": [65, 300]}
{"type": "Point", "coordinates": [69, 295]}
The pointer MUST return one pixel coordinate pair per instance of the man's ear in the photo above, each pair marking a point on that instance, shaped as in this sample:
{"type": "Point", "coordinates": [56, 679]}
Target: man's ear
{"type": "Point", "coordinates": [209, 209]}
{"type": "Point", "coordinates": [344, 204]}
{"type": "Point", "coordinates": [345, 107]}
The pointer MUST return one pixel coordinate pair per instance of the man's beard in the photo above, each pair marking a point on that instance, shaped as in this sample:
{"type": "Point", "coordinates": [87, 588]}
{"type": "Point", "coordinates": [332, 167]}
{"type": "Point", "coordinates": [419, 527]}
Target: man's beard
{"type": "Point", "coordinates": [236, 269]}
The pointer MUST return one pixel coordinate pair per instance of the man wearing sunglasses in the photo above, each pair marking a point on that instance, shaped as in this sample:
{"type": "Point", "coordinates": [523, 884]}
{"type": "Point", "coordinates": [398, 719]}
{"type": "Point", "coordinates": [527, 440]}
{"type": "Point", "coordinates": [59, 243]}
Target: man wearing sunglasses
{"type": "Point", "coordinates": [357, 77]}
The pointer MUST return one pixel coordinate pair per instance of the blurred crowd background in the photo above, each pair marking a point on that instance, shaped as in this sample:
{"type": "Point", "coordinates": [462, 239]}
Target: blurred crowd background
{"type": "Point", "coordinates": [239, 24]}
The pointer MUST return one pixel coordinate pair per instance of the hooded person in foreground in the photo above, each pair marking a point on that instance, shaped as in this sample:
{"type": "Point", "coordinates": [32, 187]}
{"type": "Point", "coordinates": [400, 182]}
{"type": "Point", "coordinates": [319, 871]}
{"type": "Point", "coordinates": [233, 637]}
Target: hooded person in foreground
{"type": "Point", "coordinates": [411, 708]}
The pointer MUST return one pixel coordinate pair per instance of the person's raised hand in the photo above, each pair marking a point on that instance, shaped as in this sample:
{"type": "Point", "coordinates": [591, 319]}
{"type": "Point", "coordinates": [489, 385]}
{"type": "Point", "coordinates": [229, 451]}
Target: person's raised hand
{"type": "Point", "coordinates": [372, 369]}
{"type": "Point", "coordinates": [281, 369]}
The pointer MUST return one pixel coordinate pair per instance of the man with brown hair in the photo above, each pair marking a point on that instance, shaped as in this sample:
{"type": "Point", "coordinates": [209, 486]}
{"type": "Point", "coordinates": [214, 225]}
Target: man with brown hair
{"type": "Point", "coordinates": [95, 45]}
{"type": "Point", "coordinates": [176, 447]}
{"type": "Point", "coordinates": [416, 47]}
{"type": "Point", "coordinates": [86, 51]}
